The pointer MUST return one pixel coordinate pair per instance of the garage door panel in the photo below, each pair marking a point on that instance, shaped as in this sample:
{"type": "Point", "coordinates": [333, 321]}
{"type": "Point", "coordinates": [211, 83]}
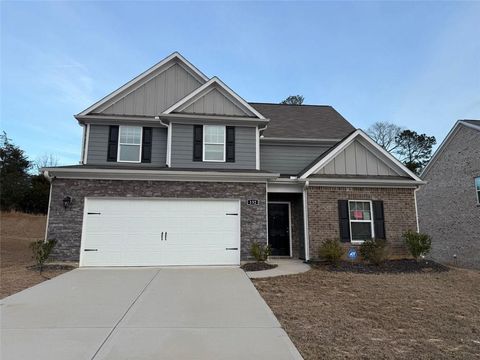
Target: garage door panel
{"type": "Point", "coordinates": [133, 232]}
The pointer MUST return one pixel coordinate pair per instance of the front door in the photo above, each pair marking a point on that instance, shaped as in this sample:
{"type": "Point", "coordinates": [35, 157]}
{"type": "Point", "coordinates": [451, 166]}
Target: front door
{"type": "Point", "coordinates": [279, 228]}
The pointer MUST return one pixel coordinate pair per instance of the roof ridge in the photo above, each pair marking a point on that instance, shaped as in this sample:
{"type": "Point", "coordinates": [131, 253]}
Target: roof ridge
{"type": "Point", "coordinates": [267, 103]}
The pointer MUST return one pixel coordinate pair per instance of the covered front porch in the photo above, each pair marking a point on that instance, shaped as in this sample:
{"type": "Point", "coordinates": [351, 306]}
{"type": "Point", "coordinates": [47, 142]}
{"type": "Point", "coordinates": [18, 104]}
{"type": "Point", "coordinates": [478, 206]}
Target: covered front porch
{"type": "Point", "coordinates": [285, 217]}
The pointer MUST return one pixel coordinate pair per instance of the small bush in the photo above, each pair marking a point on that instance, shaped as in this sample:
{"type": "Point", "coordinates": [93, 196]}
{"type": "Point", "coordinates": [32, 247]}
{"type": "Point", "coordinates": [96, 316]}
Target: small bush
{"type": "Point", "coordinates": [418, 244]}
{"type": "Point", "coordinates": [375, 251]}
{"type": "Point", "coordinates": [41, 251]}
{"type": "Point", "coordinates": [331, 250]}
{"type": "Point", "coordinates": [260, 252]}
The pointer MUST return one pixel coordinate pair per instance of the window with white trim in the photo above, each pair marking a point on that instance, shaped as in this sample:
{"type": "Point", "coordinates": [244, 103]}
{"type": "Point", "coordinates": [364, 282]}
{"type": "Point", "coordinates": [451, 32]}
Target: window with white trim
{"type": "Point", "coordinates": [361, 220]}
{"type": "Point", "coordinates": [213, 143]}
{"type": "Point", "coordinates": [477, 187]}
{"type": "Point", "coordinates": [130, 144]}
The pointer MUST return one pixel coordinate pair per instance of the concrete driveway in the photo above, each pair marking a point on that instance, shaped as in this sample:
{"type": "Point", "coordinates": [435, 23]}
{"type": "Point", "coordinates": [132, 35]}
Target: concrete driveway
{"type": "Point", "coordinates": [143, 313]}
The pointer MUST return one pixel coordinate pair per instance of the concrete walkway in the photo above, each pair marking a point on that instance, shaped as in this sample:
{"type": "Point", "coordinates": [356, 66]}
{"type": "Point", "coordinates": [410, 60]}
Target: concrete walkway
{"type": "Point", "coordinates": [285, 267]}
{"type": "Point", "coordinates": [142, 313]}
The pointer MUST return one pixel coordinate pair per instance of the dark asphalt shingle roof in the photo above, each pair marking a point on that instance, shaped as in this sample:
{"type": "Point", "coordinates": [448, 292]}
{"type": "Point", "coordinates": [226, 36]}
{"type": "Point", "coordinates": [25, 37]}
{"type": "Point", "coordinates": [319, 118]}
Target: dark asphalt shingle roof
{"type": "Point", "coordinates": [303, 121]}
{"type": "Point", "coordinates": [473, 122]}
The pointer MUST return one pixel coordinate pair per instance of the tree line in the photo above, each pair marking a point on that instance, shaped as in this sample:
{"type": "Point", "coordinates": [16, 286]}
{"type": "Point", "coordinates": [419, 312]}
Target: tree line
{"type": "Point", "coordinates": [23, 187]}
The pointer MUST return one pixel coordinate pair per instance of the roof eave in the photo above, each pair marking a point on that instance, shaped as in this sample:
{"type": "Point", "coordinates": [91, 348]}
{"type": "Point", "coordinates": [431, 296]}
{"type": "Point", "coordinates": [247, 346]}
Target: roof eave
{"type": "Point", "coordinates": [159, 175]}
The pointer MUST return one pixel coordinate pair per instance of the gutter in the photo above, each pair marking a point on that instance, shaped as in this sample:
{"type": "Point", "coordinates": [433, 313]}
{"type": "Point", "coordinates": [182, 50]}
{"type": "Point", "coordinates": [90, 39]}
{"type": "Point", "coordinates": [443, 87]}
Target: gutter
{"type": "Point", "coordinates": [362, 182]}
{"type": "Point", "coordinates": [124, 174]}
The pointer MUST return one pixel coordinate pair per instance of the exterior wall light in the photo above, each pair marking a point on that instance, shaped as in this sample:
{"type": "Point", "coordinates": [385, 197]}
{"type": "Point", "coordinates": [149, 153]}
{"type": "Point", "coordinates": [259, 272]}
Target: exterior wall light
{"type": "Point", "coordinates": [67, 202]}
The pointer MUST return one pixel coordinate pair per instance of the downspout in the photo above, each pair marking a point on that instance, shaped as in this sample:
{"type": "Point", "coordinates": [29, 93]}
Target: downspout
{"type": "Point", "coordinates": [305, 221]}
{"type": "Point", "coordinates": [257, 145]}
{"type": "Point", "coordinates": [169, 140]}
{"type": "Point", "coordinates": [45, 173]}
{"type": "Point", "coordinates": [416, 207]}
{"type": "Point", "coordinates": [86, 144]}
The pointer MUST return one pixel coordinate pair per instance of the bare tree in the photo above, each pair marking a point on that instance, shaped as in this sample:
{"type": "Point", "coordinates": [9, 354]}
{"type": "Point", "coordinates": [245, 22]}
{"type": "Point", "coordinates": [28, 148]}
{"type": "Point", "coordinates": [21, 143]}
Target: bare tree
{"type": "Point", "coordinates": [385, 134]}
{"type": "Point", "coordinates": [45, 160]}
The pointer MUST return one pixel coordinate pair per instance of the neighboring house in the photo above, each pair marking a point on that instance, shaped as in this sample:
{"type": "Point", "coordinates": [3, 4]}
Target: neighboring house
{"type": "Point", "coordinates": [449, 204]}
{"type": "Point", "coordinates": [177, 169]}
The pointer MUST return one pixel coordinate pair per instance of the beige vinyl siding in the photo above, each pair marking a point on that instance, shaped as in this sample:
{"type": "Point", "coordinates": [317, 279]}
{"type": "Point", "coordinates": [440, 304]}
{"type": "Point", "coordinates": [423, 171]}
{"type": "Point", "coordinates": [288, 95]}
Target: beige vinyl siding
{"type": "Point", "coordinates": [182, 149]}
{"type": "Point", "coordinates": [289, 159]}
{"type": "Point", "coordinates": [156, 95]}
{"type": "Point", "coordinates": [98, 145]}
{"type": "Point", "coordinates": [214, 103]}
{"type": "Point", "coordinates": [356, 159]}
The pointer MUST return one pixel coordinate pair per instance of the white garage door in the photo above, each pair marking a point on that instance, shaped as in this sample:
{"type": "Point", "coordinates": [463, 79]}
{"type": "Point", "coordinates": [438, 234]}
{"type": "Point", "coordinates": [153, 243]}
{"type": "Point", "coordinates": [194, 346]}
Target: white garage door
{"type": "Point", "coordinates": [149, 232]}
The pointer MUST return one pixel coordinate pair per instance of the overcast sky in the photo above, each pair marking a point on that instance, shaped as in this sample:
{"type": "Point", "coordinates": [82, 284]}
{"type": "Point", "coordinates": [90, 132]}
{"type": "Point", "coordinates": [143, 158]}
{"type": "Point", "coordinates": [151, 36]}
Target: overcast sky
{"type": "Point", "coordinates": [414, 64]}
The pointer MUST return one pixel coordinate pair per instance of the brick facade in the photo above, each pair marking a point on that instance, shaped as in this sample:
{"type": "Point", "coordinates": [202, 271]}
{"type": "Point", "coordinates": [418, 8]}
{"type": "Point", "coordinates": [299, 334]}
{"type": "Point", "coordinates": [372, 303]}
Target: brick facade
{"type": "Point", "coordinates": [65, 225]}
{"type": "Point", "coordinates": [447, 204]}
{"type": "Point", "coordinates": [399, 213]}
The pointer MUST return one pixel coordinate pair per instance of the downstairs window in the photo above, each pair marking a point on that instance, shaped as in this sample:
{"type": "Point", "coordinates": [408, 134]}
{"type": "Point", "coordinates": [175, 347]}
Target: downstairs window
{"type": "Point", "coordinates": [477, 187]}
{"type": "Point", "coordinates": [361, 222]}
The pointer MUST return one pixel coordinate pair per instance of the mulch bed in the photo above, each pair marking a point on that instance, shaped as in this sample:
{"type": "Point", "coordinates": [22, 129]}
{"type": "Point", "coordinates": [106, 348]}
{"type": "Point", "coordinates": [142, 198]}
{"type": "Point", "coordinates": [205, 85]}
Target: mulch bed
{"type": "Point", "coordinates": [258, 266]}
{"type": "Point", "coordinates": [388, 267]}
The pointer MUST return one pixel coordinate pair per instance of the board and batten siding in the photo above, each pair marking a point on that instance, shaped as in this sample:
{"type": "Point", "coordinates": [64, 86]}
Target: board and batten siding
{"type": "Point", "coordinates": [356, 159]}
{"type": "Point", "coordinates": [156, 95]}
{"type": "Point", "coordinates": [288, 159]}
{"type": "Point", "coordinates": [98, 145]}
{"type": "Point", "coordinates": [214, 103]}
{"type": "Point", "coordinates": [182, 149]}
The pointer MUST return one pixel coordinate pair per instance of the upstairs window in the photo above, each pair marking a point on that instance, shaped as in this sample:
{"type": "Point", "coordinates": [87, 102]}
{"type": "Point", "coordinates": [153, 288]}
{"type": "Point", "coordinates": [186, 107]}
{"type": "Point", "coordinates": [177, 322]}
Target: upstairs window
{"type": "Point", "coordinates": [477, 187]}
{"type": "Point", "coordinates": [130, 144]}
{"type": "Point", "coordinates": [361, 222]}
{"type": "Point", "coordinates": [214, 143]}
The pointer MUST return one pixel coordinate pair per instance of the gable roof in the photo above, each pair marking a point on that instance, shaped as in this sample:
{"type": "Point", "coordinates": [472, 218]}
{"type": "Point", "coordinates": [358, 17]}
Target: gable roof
{"type": "Point", "coordinates": [372, 146]}
{"type": "Point", "coordinates": [214, 84]}
{"type": "Point", "coordinates": [472, 124]}
{"type": "Point", "coordinates": [303, 121]}
{"type": "Point", "coordinates": [143, 78]}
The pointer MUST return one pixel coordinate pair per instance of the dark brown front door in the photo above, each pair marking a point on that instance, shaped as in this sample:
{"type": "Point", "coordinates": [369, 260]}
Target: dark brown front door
{"type": "Point", "coordinates": [279, 228]}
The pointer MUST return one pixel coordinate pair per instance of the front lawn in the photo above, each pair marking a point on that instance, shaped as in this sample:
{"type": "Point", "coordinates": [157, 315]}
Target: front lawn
{"type": "Point", "coordinates": [345, 315]}
{"type": "Point", "coordinates": [18, 230]}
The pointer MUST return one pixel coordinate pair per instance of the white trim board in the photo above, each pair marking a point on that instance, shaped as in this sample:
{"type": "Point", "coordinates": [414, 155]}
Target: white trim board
{"type": "Point", "coordinates": [140, 79]}
{"type": "Point", "coordinates": [345, 143]}
{"type": "Point", "coordinates": [205, 89]}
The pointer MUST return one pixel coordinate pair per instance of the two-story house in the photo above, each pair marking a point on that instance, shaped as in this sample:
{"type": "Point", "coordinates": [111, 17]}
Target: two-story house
{"type": "Point", "coordinates": [449, 204]}
{"type": "Point", "coordinates": [177, 169]}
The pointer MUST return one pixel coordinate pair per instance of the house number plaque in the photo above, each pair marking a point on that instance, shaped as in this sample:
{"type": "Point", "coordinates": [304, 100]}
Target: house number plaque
{"type": "Point", "coordinates": [253, 202]}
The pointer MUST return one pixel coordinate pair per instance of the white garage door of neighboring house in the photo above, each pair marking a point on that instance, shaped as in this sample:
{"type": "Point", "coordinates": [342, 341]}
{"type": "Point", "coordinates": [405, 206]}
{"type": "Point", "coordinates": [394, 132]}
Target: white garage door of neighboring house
{"type": "Point", "coordinates": [149, 232]}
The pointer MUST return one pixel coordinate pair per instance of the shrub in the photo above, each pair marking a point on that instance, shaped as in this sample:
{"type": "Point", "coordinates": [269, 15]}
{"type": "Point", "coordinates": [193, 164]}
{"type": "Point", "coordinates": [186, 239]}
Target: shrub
{"type": "Point", "coordinates": [331, 250]}
{"type": "Point", "coordinates": [41, 251]}
{"type": "Point", "coordinates": [418, 244]}
{"type": "Point", "coordinates": [375, 251]}
{"type": "Point", "coordinates": [260, 251]}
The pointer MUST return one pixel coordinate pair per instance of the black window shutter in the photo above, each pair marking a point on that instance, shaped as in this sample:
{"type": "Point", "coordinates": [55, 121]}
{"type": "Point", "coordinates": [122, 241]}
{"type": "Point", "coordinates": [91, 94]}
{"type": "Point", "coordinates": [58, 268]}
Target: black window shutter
{"type": "Point", "coordinates": [197, 142]}
{"type": "Point", "coordinates": [344, 220]}
{"type": "Point", "coordinates": [147, 145]}
{"type": "Point", "coordinates": [112, 143]}
{"type": "Point", "coordinates": [230, 144]}
{"type": "Point", "coordinates": [378, 219]}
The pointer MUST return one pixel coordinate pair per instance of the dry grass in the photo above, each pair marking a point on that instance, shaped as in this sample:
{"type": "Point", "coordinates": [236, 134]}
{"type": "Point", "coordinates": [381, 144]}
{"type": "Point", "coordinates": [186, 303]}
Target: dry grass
{"type": "Point", "coordinates": [389, 316]}
{"type": "Point", "coordinates": [17, 231]}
